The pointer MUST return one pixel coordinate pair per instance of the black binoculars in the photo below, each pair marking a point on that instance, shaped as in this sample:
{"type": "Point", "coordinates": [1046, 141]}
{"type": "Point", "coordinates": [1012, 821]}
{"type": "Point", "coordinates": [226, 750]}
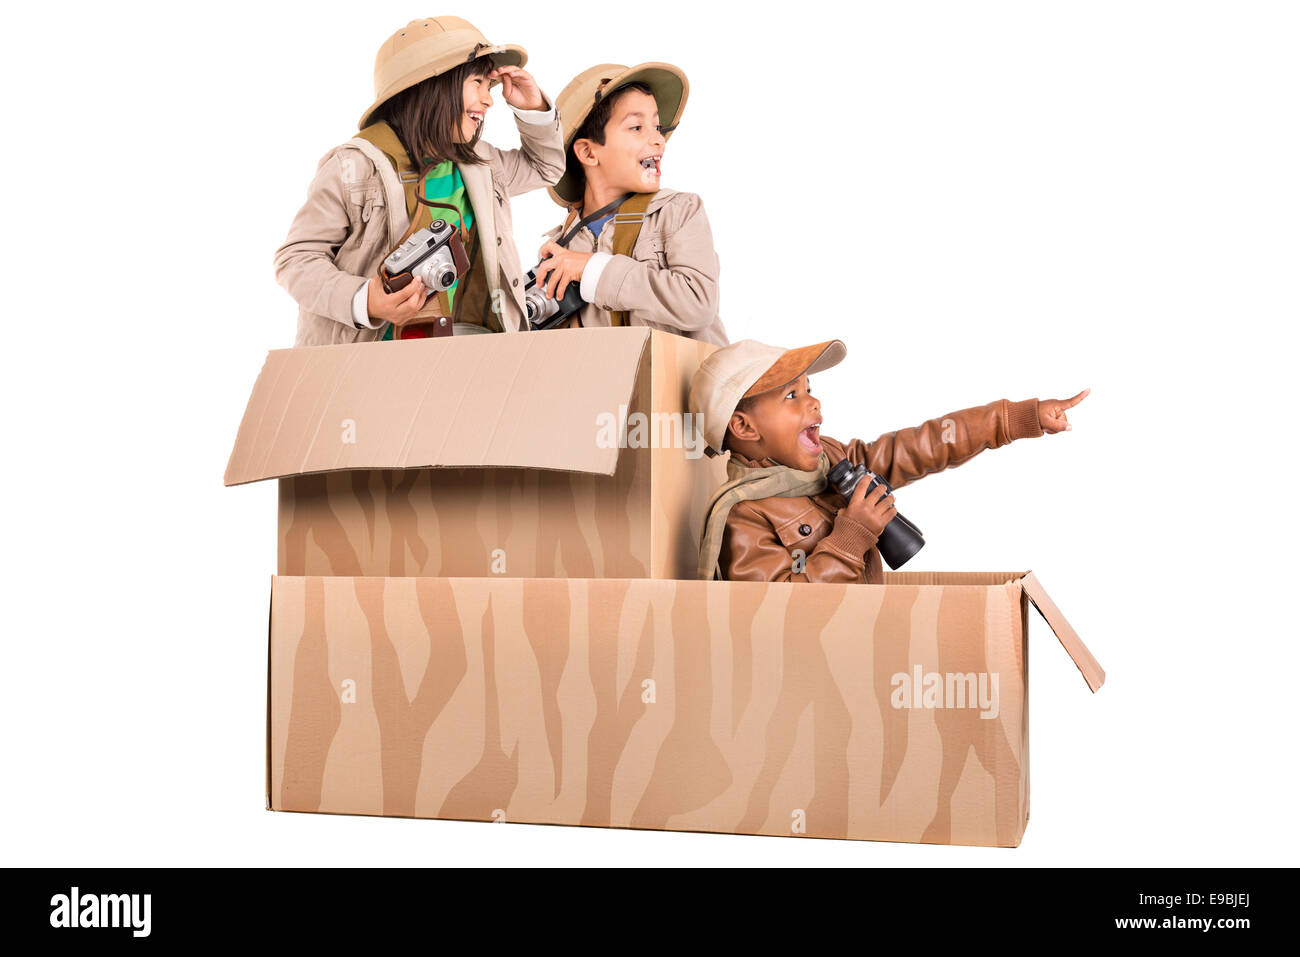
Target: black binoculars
{"type": "Point", "coordinates": [900, 539]}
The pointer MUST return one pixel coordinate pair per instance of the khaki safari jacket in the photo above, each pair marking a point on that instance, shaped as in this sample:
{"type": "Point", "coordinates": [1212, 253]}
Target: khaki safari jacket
{"type": "Point", "coordinates": [670, 282]}
{"type": "Point", "coordinates": [356, 212]}
{"type": "Point", "coordinates": [762, 535]}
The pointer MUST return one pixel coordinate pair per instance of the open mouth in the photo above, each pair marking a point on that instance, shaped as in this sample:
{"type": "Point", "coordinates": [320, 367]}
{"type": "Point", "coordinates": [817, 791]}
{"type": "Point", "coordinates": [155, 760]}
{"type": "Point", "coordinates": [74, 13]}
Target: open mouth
{"type": "Point", "coordinates": [652, 163]}
{"type": "Point", "coordinates": [476, 116]}
{"type": "Point", "coordinates": [809, 438]}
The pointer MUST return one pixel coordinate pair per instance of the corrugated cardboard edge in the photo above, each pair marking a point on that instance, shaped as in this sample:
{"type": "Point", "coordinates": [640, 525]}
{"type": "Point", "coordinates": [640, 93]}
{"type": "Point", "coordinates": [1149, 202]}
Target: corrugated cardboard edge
{"type": "Point", "coordinates": [243, 423]}
{"type": "Point", "coordinates": [1024, 725]}
{"type": "Point", "coordinates": [270, 622]}
{"type": "Point", "coordinates": [1074, 647]}
{"type": "Point", "coordinates": [231, 478]}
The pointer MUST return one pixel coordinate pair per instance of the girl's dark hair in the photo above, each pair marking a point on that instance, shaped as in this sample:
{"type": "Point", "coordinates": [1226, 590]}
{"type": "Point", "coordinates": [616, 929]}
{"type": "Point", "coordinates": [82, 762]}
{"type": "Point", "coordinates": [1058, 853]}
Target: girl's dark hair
{"type": "Point", "coordinates": [425, 116]}
{"type": "Point", "coordinates": [593, 127]}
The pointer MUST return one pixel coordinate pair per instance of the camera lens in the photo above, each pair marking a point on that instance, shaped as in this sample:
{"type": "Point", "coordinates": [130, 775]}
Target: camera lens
{"type": "Point", "coordinates": [446, 279]}
{"type": "Point", "coordinates": [539, 307]}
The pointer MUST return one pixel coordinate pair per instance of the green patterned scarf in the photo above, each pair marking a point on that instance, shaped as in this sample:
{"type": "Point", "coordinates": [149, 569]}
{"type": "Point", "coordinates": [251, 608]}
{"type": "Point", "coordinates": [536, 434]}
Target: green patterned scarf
{"type": "Point", "coordinates": [445, 185]}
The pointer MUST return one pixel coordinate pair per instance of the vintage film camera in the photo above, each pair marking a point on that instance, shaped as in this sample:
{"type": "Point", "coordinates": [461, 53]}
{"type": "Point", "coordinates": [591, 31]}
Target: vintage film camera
{"type": "Point", "coordinates": [434, 255]}
{"type": "Point", "coordinates": [545, 312]}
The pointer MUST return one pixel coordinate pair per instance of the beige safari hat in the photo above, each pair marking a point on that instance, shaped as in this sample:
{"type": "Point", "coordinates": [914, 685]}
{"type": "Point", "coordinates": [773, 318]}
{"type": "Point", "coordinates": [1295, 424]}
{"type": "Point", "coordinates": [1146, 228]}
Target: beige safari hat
{"type": "Point", "coordinates": [429, 47]}
{"type": "Point", "coordinates": [748, 368]}
{"type": "Point", "coordinates": [576, 101]}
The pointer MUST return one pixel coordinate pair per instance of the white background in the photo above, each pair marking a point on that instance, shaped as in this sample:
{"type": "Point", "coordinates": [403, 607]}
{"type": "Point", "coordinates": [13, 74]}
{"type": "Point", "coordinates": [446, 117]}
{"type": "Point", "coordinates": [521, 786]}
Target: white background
{"type": "Point", "coordinates": [983, 200]}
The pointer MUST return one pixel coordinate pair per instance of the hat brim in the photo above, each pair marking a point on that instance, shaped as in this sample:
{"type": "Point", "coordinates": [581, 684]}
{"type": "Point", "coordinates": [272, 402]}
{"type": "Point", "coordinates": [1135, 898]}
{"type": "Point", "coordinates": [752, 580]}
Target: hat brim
{"type": "Point", "coordinates": [796, 362]}
{"type": "Point", "coordinates": [507, 54]}
{"type": "Point", "coordinates": [671, 90]}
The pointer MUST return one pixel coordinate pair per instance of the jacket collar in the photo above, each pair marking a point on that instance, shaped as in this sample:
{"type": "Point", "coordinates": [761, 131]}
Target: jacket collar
{"type": "Point", "coordinates": [661, 197]}
{"type": "Point", "coordinates": [748, 463]}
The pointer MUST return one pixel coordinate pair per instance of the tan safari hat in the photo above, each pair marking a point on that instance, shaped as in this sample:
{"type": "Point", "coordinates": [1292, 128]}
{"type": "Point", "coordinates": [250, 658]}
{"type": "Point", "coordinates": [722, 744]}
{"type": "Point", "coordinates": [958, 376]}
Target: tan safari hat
{"type": "Point", "coordinates": [429, 47]}
{"type": "Point", "coordinates": [576, 101]}
{"type": "Point", "coordinates": [748, 368]}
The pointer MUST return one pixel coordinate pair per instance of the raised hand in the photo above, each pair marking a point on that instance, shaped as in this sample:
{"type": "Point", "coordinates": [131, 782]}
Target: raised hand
{"type": "Point", "coordinates": [1051, 412]}
{"type": "Point", "coordinates": [519, 88]}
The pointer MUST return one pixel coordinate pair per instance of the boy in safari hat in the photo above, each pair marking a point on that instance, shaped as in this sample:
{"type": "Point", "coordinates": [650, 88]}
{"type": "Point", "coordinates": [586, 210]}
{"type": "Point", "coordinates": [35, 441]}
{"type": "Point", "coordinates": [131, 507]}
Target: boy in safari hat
{"type": "Point", "coordinates": [643, 256]}
{"type": "Point", "coordinates": [777, 518]}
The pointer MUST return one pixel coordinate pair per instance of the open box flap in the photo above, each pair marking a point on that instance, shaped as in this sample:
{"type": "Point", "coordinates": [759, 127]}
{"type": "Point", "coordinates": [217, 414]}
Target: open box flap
{"type": "Point", "coordinates": [1092, 672]}
{"type": "Point", "coordinates": [528, 400]}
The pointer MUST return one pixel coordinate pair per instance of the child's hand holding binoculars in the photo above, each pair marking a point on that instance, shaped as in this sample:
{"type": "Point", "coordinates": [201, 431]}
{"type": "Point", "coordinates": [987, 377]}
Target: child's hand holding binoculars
{"type": "Point", "coordinates": [1051, 412]}
{"type": "Point", "coordinates": [875, 510]}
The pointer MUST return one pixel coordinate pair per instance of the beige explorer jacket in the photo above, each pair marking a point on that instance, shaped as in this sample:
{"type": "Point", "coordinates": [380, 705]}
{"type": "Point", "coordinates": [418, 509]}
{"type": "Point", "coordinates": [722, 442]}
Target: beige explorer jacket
{"type": "Point", "coordinates": [670, 282]}
{"type": "Point", "coordinates": [356, 212]}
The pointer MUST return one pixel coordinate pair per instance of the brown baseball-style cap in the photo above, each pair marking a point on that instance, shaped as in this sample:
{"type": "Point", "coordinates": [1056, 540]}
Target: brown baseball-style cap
{"type": "Point", "coordinates": [749, 368]}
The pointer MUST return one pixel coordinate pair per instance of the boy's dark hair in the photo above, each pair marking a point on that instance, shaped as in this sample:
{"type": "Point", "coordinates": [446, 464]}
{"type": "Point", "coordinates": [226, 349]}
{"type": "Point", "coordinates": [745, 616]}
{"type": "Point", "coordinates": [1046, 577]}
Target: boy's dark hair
{"type": "Point", "coordinates": [423, 116]}
{"type": "Point", "coordinates": [593, 127]}
{"type": "Point", "coordinates": [744, 405]}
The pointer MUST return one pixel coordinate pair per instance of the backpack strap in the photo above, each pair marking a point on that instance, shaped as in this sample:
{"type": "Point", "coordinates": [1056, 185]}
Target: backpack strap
{"type": "Point", "coordinates": [568, 220]}
{"type": "Point", "coordinates": [627, 227]}
{"type": "Point", "coordinates": [382, 137]}
{"type": "Point", "coordinates": [418, 211]}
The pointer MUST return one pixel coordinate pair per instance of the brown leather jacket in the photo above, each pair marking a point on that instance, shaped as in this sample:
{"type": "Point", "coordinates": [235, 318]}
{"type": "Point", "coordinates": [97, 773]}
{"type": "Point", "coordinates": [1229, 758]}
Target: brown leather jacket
{"type": "Point", "coordinates": [762, 535]}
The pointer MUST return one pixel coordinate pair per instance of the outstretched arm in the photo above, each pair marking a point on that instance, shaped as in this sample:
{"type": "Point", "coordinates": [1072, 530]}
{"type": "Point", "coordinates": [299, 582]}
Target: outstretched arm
{"type": "Point", "coordinates": [909, 454]}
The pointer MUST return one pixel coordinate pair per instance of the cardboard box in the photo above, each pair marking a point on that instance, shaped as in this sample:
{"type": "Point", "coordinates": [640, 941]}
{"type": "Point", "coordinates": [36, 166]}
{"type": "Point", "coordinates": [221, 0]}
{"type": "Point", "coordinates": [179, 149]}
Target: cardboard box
{"type": "Point", "coordinates": [884, 712]}
{"type": "Point", "coordinates": [485, 612]}
{"type": "Point", "coordinates": [483, 455]}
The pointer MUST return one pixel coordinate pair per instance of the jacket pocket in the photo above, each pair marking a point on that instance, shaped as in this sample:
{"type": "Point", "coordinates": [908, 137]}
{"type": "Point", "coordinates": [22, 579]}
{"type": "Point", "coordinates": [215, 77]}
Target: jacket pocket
{"type": "Point", "coordinates": [655, 251]}
{"type": "Point", "coordinates": [805, 529]}
{"type": "Point", "coordinates": [363, 203]}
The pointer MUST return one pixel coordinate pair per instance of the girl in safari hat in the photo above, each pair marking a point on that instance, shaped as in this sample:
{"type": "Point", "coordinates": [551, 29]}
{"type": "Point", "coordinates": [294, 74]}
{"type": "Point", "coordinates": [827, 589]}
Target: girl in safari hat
{"type": "Point", "coordinates": [419, 157]}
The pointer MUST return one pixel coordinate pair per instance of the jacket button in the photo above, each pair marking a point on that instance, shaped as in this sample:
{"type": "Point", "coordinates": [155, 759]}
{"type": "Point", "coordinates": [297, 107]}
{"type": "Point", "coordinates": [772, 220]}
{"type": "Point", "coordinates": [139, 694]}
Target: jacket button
{"type": "Point", "coordinates": [805, 529]}
{"type": "Point", "coordinates": [498, 240]}
{"type": "Point", "coordinates": [514, 282]}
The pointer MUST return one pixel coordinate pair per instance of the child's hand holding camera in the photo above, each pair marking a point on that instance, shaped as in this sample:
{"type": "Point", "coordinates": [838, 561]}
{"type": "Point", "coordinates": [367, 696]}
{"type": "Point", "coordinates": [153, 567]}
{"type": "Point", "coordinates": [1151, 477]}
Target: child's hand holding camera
{"type": "Point", "coordinates": [561, 268]}
{"type": "Point", "coordinates": [395, 307]}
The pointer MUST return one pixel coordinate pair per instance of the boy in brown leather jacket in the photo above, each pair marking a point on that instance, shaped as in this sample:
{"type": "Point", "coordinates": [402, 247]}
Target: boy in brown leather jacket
{"type": "Point", "coordinates": [777, 518]}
